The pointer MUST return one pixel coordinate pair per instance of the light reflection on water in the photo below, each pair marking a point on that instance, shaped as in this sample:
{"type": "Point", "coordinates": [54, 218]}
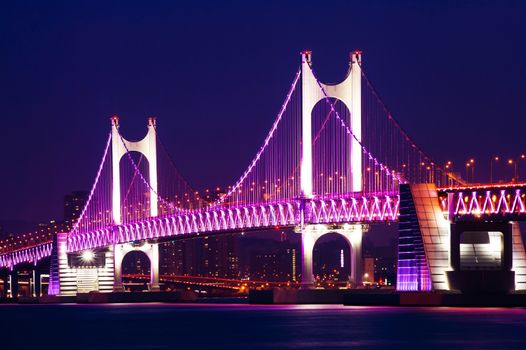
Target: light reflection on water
{"type": "Point", "coordinates": [243, 326]}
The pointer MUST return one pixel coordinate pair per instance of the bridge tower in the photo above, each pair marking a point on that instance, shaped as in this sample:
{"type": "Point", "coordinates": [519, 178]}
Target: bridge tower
{"type": "Point", "coordinates": [119, 148]}
{"type": "Point", "coordinates": [348, 92]}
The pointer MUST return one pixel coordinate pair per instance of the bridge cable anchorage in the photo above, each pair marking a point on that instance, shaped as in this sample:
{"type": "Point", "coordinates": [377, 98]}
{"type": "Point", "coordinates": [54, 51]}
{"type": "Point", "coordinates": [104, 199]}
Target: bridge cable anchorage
{"type": "Point", "coordinates": [273, 173]}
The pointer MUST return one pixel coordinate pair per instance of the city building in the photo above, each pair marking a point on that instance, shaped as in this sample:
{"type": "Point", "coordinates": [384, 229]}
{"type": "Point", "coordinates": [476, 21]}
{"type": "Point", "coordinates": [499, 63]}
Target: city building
{"type": "Point", "coordinates": [385, 270]}
{"type": "Point", "coordinates": [270, 259]}
{"type": "Point", "coordinates": [210, 256]}
{"type": "Point", "coordinates": [73, 205]}
{"type": "Point", "coordinates": [368, 270]}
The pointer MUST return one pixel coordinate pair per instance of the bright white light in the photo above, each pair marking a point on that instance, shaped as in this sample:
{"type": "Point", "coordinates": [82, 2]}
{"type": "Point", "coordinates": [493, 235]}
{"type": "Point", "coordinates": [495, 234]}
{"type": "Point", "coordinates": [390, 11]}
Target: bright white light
{"type": "Point", "coordinates": [88, 256]}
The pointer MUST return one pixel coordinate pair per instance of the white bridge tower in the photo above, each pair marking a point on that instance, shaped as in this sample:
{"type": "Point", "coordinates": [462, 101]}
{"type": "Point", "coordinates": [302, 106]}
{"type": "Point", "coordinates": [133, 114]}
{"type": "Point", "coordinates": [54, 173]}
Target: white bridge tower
{"type": "Point", "coordinates": [349, 92]}
{"type": "Point", "coordinates": [148, 148]}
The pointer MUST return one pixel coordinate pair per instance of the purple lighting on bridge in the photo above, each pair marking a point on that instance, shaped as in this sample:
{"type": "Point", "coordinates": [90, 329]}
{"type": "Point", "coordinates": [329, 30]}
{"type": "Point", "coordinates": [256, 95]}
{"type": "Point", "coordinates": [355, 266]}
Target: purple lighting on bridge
{"type": "Point", "coordinates": [486, 200]}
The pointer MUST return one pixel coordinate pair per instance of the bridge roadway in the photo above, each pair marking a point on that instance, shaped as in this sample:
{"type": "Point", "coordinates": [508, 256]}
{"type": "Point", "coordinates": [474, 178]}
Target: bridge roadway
{"type": "Point", "coordinates": [352, 209]}
{"type": "Point", "coordinates": [477, 202]}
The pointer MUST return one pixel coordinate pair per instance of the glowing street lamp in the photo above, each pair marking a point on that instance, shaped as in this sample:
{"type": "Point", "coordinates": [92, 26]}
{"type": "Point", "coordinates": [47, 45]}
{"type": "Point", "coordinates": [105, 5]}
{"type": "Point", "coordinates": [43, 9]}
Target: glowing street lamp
{"type": "Point", "coordinates": [522, 157]}
{"type": "Point", "coordinates": [472, 166]}
{"type": "Point", "coordinates": [448, 171]}
{"type": "Point", "coordinates": [514, 164]}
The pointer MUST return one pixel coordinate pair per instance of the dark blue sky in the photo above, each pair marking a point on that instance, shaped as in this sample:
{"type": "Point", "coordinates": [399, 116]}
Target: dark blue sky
{"type": "Point", "coordinates": [452, 72]}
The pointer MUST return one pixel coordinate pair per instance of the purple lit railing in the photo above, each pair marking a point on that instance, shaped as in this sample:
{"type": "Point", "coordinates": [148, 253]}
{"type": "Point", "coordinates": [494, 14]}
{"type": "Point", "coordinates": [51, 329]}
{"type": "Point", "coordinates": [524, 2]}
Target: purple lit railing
{"type": "Point", "coordinates": [26, 255]}
{"type": "Point", "coordinates": [341, 209]}
{"type": "Point", "coordinates": [480, 201]}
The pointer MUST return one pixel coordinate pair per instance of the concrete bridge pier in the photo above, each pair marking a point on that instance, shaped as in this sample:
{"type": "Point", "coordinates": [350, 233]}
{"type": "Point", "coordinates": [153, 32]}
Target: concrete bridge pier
{"type": "Point", "coordinates": [310, 235]}
{"type": "Point", "coordinates": [4, 275]}
{"type": "Point", "coordinates": [13, 283]}
{"type": "Point", "coordinates": [152, 252]}
{"type": "Point", "coordinates": [37, 287]}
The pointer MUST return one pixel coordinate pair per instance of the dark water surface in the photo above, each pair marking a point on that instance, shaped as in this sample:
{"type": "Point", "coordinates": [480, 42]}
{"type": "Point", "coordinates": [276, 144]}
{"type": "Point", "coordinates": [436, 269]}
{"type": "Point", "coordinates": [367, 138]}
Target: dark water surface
{"type": "Point", "coordinates": [222, 326]}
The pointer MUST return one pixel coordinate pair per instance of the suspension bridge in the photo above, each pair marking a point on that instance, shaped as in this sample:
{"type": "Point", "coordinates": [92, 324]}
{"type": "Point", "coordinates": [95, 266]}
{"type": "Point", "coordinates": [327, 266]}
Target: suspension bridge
{"type": "Point", "coordinates": [334, 160]}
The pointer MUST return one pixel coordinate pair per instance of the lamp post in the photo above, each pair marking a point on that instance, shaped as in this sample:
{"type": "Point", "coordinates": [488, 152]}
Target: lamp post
{"type": "Point", "coordinates": [496, 158]}
{"type": "Point", "coordinates": [468, 164]}
{"type": "Point", "coordinates": [522, 157]}
{"type": "Point", "coordinates": [449, 169]}
{"type": "Point", "coordinates": [472, 162]}
{"type": "Point", "coordinates": [514, 164]}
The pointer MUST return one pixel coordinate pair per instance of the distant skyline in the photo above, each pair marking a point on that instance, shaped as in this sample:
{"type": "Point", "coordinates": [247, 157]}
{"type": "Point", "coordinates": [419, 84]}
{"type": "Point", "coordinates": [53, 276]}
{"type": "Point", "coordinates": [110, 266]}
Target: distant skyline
{"type": "Point", "coordinates": [452, 73]}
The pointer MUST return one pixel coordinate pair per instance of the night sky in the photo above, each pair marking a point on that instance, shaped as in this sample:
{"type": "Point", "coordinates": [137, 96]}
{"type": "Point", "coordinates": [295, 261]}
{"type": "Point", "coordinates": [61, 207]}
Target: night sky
{"type": "Point", "coordinates": [215, 74]}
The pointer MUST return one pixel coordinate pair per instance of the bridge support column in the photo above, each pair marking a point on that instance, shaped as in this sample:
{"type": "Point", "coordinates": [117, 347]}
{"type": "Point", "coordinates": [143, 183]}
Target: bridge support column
{"type": "Point", "coordinates": [154, 268]}
{"type": "Point", "coordinates": [13, 283]}
{"type": "Point", "coordinates": [5, 285]}
{"type": "Point", "coordinates": [352, 234]}
{"type": "Point", "coordinates": [150, 249]}
{"type": "Point", "coordinates": [118, 256]}
{"type": "Point", "coordinates": [36, 282]}
{"type": "Point", "coordinates": [309, 236]}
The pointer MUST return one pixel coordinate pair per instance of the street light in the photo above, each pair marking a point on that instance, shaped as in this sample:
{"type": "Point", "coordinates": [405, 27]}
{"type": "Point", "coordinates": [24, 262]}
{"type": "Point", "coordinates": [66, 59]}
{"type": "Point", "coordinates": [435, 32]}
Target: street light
{"type": "Point", "coordinates": [522, 157]}
{"type": "Point", "coordinates": [514, 164]}
{"type": "Point", "coordinates": [467, 171]}
{"type": "Point", "coordinates": [496, 158]}
{"type": "Point", "coordinates": [472, 162]}
{"type": "Point", "coordinates": [449, 169]}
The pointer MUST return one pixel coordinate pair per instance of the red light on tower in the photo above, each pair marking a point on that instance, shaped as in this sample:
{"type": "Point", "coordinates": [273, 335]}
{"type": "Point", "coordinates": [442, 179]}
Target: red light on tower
{"type": "Point", "coordinates": [306, 54]}
{"type": "Point", "coordinates": [115, 120]}
{"type": "Point", "coordinates": [152, 121]}
{"type": "Point", "coordinates": [356, 56]}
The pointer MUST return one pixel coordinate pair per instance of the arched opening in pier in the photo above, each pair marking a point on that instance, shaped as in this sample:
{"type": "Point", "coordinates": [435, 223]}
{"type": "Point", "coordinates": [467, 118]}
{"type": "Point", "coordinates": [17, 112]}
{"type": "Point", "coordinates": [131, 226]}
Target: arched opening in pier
{"type": "Point", "coordinates": [136, 269]}
{"type": "Point", "coordinates": [332, 261]}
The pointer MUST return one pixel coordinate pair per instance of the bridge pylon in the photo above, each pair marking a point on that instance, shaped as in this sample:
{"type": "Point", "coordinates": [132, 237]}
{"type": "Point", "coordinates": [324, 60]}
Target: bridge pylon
{"type": "Point", "coordinates": [119, 148]}
{"type": "Point", "coordinates": [147, 147]}
{"type": "Point", "coordinates": [349, 92]}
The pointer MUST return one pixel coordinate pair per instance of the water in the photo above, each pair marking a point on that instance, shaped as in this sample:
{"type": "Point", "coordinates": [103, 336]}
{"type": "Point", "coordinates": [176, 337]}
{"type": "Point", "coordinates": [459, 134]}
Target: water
{"type": "Point", "coordinates": [242, 326]}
